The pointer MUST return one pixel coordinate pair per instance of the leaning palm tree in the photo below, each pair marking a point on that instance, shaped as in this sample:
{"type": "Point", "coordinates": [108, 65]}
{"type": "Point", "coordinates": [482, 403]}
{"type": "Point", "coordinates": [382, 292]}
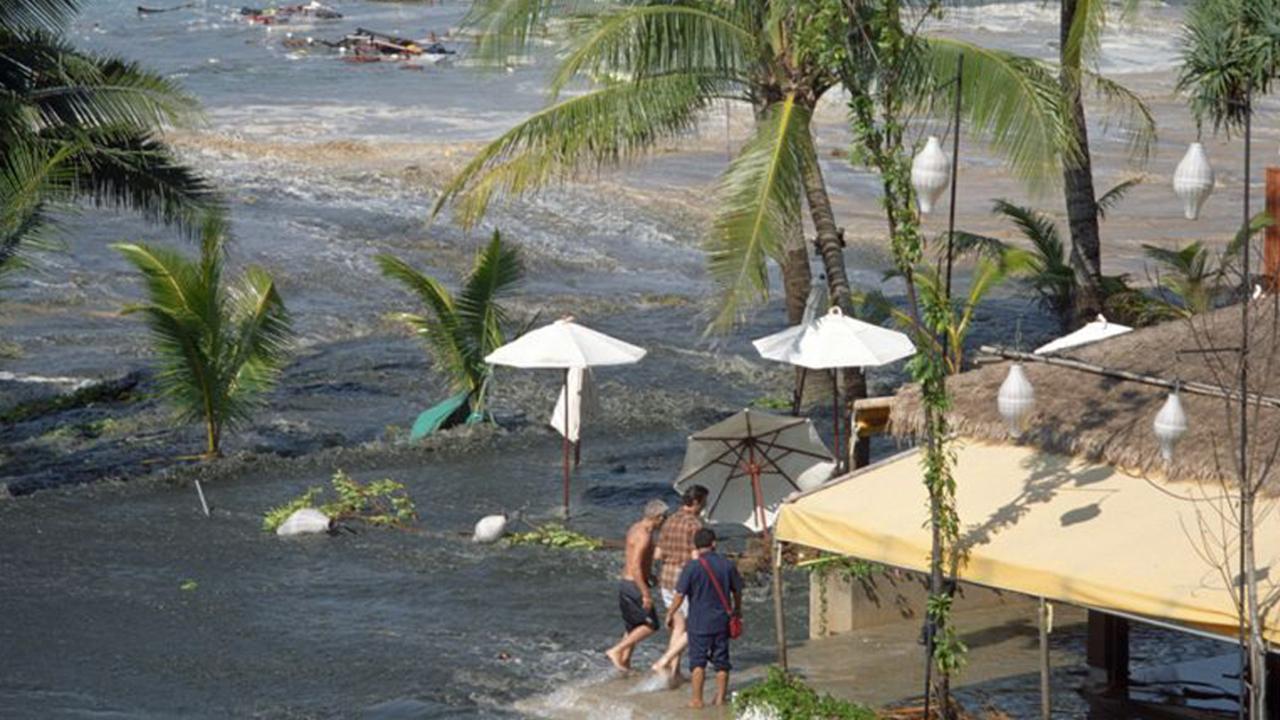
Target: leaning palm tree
{"type": "Point", "coordinates": [76, 126]}
{"type": "Point", "coordinates": [460, 330]}
{"type": "Point", "coordinates": [220, 346]}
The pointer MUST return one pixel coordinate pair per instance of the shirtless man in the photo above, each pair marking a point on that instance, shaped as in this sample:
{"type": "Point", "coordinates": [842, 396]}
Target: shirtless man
{"type": "Point", "coordinates": [634, 599]}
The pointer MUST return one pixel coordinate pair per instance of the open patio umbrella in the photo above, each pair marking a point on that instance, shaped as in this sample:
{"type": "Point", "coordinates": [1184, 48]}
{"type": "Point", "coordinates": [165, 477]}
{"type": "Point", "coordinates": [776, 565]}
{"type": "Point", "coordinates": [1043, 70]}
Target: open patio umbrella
{"type": "Point", "coordinates": [751, 462]}
{"type": "Point", "coordinates": [565, 345]}
{"type": "Point", "coordinates": [1095, 331]}
{"type": "Point", "coordinates": [834, 341]}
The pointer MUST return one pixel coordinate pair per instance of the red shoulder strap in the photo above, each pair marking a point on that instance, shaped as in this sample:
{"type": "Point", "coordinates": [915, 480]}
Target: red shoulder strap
{"type": "Point", "coordinates": [724, 599]}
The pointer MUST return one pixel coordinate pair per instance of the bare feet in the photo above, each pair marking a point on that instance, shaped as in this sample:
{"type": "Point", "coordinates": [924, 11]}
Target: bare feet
{"type": "Point", "coordinates": [615, 657]}
{"type": "Point", "coordinates": [696, 704]}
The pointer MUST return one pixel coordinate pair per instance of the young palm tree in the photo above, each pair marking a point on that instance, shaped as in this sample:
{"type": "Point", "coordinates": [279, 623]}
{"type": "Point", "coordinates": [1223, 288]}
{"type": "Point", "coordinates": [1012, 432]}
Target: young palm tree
{"type": "Point", "coordinates": [220, 346]}
{"type": "Point", "coordinates": [461, 330]}
{"type": "Point", "coordinates": [1047, 269]}
{"type": "Point", "coordinates": [76, 126]}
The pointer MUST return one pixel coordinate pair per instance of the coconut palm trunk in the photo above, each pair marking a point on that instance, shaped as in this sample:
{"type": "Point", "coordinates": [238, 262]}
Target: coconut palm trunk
{"type": "Point", "coordinates": [1077, 176]}
{"type": "Point", "coordinates": [830, 248]}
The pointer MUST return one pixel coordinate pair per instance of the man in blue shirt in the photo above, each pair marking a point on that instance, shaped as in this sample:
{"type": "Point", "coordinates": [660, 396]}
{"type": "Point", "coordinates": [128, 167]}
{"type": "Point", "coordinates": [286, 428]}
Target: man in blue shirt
{"type": "Point", "coordinates": [706, 582]}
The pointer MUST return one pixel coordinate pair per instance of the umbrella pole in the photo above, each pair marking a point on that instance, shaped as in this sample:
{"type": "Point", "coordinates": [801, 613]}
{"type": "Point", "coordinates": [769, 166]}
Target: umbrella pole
{"type": "Point", "coordinates": [779, 618]}
{"type": "Point", "coordinates": [835, 417]}
{"type": "Point", "coordinates": [798, 396]}
{"type": "Point", "coordinates": [756, 491]}
{"type": "Point", "coordinates": [565, 444]}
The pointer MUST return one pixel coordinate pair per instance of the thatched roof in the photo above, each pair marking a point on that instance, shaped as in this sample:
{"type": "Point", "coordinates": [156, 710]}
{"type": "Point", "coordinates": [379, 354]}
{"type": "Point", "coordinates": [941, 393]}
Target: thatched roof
{"type": "Point", "coordinates": [1110, 420]}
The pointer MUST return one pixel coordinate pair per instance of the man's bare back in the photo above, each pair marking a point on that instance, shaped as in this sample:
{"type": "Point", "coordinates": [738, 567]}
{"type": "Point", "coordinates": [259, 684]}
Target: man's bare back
{"type": "Point", "coordinates": [638, 566]}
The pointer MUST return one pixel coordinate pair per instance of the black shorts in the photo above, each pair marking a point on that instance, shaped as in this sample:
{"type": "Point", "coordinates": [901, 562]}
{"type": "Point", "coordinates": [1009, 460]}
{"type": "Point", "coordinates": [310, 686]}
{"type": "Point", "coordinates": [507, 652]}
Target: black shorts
{"type": "Point", "coordinates": [631, 603]}
{"type": "Point", "coordinates": [713, 648]}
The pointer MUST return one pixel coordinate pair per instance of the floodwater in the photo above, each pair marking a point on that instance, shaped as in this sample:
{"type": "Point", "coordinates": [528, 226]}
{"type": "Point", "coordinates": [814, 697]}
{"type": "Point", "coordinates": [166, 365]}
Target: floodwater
{"type": "Point", "coordinates": [325, 164]}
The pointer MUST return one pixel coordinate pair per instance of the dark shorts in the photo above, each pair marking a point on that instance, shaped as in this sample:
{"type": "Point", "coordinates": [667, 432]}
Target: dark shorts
{"type": "Point", "coordinates": [709, 648]}
{"type": "Point", "coordinates": [631, 603]}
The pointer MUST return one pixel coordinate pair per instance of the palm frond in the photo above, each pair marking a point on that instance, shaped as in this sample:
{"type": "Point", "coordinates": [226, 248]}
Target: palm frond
{"type": "Point", "coordinates": [654, 40]}
{"type": "Point", "coordinates": [141, 174]}
{"type": "Point", "coordinates": [18, 16]}
{"type": "Point", "coordinates": [759, 194]}
{"type": "Point", "coordinates": [498, 269]}
{"type": "Point", "coordinates": [1035, 226]}
{"type": "Point", "coordinates": [576, 136]}
{"type": "Point", "coordinates": [63, 87]}
{"type": "Point", "coordinates": [505, 28]}
{"type": "Point", "coordinates": [1015, 105]}
{"type": "Point", "coordinates": [439, 330]}
{"type": "Point", "coordinates": [1125, 110]}
{"type": "Point", "coordinates": [1116, 194]}
{"type": "Point", "coordinates": [967, 243]}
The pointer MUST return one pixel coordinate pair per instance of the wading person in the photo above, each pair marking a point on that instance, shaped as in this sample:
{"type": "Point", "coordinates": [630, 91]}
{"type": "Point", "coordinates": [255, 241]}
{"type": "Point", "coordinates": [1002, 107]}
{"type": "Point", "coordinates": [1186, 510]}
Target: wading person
{"type": "Point", "coordinates": [634, 598]}
{"type": "Point", "coordinates": [675, 550]}
{"type": "Point", "coordinates": [707, 584]}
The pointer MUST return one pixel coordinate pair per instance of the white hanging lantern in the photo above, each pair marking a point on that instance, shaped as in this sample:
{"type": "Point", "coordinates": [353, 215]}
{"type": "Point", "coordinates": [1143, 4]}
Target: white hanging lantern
{"type": "Point", "coordinates": [1015, 399]}
{"type": "Point", "coordinates": [930, 172]}
{"type": "Point", "coordinates": [1193, 180]}
{"type": "Point", "coordinates": [1170, 425]}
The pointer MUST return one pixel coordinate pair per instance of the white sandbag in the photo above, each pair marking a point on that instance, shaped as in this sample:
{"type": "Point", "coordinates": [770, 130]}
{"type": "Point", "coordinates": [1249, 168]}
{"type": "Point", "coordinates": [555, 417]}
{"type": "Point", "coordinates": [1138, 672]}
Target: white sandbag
{"type": "Point", "coordinates": [490, 529]}
{"type": "Point", "coordinates": [303, 522]}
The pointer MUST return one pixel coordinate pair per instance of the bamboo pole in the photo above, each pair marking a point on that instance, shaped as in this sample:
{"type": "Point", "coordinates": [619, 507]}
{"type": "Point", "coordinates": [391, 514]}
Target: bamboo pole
{"type": "Point", "coordinates": [565, 444]}
{"type": "Point", "coordinates": [779, 619]}
{"type": "Point", "coordinates": [203, 505]}
{"type": "Point", "coordinates": [1046, 702]}
{"type": "Point", "coordinates": [1191, 387]}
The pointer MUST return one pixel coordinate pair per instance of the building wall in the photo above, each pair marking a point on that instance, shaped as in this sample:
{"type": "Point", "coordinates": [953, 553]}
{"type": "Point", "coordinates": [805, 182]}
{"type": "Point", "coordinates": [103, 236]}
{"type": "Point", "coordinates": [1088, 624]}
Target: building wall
{"type": "Point", "coordinates": [839, 605]}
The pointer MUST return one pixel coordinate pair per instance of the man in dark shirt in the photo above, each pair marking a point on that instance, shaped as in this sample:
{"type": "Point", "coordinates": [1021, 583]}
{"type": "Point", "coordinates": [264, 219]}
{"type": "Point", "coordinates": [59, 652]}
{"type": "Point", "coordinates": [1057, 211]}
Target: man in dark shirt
{"type": "Point", "coordinates": [708, 622]}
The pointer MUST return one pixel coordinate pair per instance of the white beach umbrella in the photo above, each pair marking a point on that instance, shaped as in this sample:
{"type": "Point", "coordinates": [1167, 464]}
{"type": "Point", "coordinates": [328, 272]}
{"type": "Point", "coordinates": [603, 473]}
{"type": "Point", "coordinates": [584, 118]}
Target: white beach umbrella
{"type": "Point", "coordinates": [565, 345]}
{"type": "Point", "coordinates": [751, 462]}
{"type": "Point", "coordinates": [832, 341]}
{"type": "Point", "coordinates": [1099, 329]}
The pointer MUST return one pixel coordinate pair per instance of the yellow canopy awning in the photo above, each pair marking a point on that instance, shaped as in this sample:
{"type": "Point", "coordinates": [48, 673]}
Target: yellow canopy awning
{"type": "Point", "coordinates": [1050, 526]}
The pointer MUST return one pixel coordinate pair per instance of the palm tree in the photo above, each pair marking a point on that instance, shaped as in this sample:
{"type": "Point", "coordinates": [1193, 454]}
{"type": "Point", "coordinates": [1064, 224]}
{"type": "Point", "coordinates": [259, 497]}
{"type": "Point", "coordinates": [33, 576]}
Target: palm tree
{"type": "Point", "coordinates": [221, 347]}
{"type": "Point", "coordinates": [681, 58]}
{"type": "Point", "coordinates": [76, 126]}
{"type": "Point", "coordinates": [461, 330]}
{"type": "Point", "coordinates": [1047, 269]}
{"type": "Point", "coordinates": [1080, 27]}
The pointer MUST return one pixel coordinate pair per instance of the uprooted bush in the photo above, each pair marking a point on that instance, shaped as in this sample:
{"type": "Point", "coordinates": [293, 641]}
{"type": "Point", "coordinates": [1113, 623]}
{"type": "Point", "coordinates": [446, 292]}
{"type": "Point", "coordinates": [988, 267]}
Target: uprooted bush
{"type": "Point", "coordinates": [557, 536]}
{"type": "Point", "coordinates": [783, 696]}
{"type": "Point", "coordinates": [384, 503]}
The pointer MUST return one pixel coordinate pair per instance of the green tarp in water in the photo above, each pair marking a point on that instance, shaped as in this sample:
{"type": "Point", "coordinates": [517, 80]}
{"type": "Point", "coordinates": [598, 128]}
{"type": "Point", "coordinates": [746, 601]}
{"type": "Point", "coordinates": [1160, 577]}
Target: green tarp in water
{"type": "Point", "coordinates": [434, 418]}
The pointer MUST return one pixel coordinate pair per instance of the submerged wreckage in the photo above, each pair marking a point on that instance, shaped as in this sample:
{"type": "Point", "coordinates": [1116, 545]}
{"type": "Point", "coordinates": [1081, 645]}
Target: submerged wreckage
{"type": "Point", "coordinates": [286, 14]}
{"type": "Point", "coordinates": [371, 46]}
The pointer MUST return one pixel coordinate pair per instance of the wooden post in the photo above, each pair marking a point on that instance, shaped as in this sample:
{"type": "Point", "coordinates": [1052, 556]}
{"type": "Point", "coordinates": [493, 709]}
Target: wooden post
{"type": "Point", "coordinates": [779, 619]}
{"type": "Point", "coordinates": [1108, 652]}
{"type": "Point", "coordinates": [1271, 246]}
{"type": "Point", "coordinates": [1046, 702]}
